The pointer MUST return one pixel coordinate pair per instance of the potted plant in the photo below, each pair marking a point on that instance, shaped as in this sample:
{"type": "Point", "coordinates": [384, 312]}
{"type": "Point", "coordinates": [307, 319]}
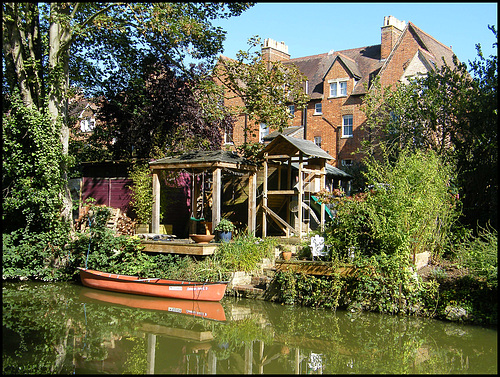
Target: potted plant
{"type": "Point", "coordinates": [225, 229]}
{"type": "Point", "coordinates": [286, 252]}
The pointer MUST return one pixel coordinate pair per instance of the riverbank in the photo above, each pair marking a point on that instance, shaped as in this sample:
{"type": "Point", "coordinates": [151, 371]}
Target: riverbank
{"type": "Point", "coordinates": [459, 297]}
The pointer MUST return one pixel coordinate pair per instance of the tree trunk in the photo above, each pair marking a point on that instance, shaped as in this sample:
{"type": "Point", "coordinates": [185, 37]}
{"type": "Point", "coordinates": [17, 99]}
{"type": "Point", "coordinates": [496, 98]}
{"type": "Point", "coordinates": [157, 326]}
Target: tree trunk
{"type": "Point", "coordinates": [59, 43]}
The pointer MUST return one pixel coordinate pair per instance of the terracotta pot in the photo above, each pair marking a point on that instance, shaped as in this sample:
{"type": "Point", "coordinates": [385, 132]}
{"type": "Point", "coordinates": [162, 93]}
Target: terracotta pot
{"type": "Point", "coordinates": [287, 255]}
{"type": "Point", "coordinates": [202, 238]}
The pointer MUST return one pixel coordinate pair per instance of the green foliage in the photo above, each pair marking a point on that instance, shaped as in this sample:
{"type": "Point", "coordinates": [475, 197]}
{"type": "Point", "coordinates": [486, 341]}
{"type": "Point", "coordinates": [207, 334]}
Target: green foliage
{"type": "Point", "coordinates": [34, 235]}
{"type": "Point", "coordinates": [408, 209]}
{"type": "Point", "coordinates": [225, 225]}
{"type": "Point", "coordinates": [309, 290]}
{"type": "Point", "coordinates": [106, 251]}
{"type": "Point", "coordinates": [455, 114]}
{"type": "Point", "coordinates": [264, 90]}
{"type": "Point", "coordinates": [39, 256]}
{"type": "Point", "coordinates": [244, 253]}
{"type": "Point", "coordinates": [142, 192]}
{"type": "Point", "coordinates": [480, 255]}
{"type": "Point", "coordinates": [31, 176]}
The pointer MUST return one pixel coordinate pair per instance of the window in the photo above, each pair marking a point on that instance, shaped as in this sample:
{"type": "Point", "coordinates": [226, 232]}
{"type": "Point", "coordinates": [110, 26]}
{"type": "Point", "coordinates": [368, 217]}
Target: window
{"type": "Point", "coordinates": [228, 135]}
{"type": "Point", "coordinates": [347, 126]}
{"type": "Point", "coordinates": [343, 88]}
{"type": "Point", "coordinates": [338, 88]}
{"type": "Point", "coordinates": [291, 110]}
{"type": "Point", "coordinates": [87, 124]}
{"type": "Point", "coordinates": [317, 141]}
{"type": "Point", "coordinates": [346, 162]}
{"type": "Point", "coordinates": [333, 89]}
{"type": "Point", "coordinates": [317, 109]}
{"type": "Point", "coordinates": [263, 131]}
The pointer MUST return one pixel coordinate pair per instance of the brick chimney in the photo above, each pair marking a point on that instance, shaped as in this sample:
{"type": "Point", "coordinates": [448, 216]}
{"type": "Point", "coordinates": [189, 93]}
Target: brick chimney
{"type": "Point", "coordinates": [391, 31]}
{"type": "Point", "coordinates": [274, 51]}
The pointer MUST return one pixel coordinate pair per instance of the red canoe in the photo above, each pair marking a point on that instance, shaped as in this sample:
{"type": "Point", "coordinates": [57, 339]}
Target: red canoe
{"type": "Point", "coordinates": [203, 309]}
{"type": "Point", "coordinates": [188, 290]}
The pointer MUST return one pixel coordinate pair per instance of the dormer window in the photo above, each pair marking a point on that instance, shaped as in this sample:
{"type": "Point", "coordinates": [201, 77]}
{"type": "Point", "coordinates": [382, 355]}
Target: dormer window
{"type": "Point", "coordinates": [338, 88]}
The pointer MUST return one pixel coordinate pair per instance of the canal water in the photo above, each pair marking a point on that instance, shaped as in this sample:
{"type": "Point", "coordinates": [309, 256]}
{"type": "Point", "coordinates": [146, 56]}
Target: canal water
{"type": "Point", "coordinates": [66, 328]}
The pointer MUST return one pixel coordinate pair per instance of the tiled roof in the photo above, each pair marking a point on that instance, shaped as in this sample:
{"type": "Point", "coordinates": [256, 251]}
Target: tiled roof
{"type": "Point", "coordinates": [433, 50]}
{"type": "Point", "coordinates": [361, 62]}
{"type": "Point", "coordinates": [364, 62]}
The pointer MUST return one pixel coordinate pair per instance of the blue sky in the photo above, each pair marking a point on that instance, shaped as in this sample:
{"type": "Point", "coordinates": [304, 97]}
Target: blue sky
{"type": "Point", "coordinates": [315, 28]}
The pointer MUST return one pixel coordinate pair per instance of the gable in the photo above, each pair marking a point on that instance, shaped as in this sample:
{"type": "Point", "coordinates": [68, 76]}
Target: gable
{"type": "Point", "coordinates": [418, 66]}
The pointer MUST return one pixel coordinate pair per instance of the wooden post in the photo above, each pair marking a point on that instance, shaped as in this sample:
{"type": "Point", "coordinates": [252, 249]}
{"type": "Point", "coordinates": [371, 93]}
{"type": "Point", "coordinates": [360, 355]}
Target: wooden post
{"type": "Point", "coordinates": [216, 196]}
{"type": "Point", "coordinates": [252, 202]}
{"type": "Point", "coordinates": [155, 217]}
{"type": "Point", "coordinates": [264, 197]}
{"type": "Point", "coordinates": [322, 185]}
{"type": "Point", "coordinates": [301, 191]}
{"type": "Point", "coordinates": [288, 186]}
{"type": "Point", "coordinates": [194, 203]}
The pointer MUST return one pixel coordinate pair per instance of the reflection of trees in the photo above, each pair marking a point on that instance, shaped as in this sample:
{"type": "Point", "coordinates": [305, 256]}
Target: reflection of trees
{"type": "Point", "coordinates": [47, 329]}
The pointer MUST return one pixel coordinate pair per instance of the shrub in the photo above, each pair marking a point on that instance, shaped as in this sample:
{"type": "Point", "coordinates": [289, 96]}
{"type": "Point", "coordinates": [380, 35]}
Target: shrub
{"type": "Point", "coordinates": [480, 255]}
{"type": "Point", "coordinates": [244, 253]}
{"type": "Point", "coordinates": [142, 193]}
{"type": "Point", "coordinates": [407, 209]}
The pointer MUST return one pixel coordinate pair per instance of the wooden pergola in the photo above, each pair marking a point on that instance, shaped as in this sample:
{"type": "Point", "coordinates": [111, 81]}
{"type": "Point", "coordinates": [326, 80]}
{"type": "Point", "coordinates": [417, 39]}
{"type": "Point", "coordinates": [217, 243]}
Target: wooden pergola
{"type": "Point", "coordinates": [311, 159]}
{"type": "Point", "coordinates": [213, 162]}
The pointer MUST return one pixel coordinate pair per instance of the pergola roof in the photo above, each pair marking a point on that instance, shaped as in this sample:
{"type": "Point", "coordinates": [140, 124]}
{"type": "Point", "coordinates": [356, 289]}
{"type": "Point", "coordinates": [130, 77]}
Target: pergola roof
{"type": "Point", "coordinates": [291, 146]}
{"type": "Point", "coordinates": [204, 160]}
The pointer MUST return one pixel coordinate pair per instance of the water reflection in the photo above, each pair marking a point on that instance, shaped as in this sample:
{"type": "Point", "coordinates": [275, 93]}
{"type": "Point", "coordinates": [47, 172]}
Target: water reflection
{"type": "Point", "coordinates": [67, 328]}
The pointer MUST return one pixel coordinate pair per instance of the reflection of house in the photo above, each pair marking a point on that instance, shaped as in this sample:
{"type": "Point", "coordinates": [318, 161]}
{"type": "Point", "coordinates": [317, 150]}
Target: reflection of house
{"type": "Point", "coordinates": [337, 83]}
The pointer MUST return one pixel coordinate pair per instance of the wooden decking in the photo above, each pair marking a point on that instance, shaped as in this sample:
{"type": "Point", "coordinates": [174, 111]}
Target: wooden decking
{"type": "Point", "coordinates": [186, 247]}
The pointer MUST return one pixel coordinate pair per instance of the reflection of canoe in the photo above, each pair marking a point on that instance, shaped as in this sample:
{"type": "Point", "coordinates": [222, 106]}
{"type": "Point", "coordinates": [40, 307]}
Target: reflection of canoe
{"type": "Point", "coordinates": [188, 290]}
{"type": "Point", "coordinates": [203, 309]}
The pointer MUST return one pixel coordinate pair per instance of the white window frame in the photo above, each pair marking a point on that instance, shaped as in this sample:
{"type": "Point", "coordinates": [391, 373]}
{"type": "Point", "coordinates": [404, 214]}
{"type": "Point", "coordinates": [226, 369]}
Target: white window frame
{"type": "Point", "coordinates": [228, 137]}
{"type": "Point", "coordinates": [336, 88]}
{"type": "Point", "coordinates": [263, 132]}
{"type": "Point", "coordinates": [317, 141]}
{"type": "Point", "coordinates": [344, 125]}
{"type": "Point", "coordinates": [291, 110]}
{"type": "Point", "coordinates": [316, 112]}
{"type": "Point", "coordinates": [346, 162]}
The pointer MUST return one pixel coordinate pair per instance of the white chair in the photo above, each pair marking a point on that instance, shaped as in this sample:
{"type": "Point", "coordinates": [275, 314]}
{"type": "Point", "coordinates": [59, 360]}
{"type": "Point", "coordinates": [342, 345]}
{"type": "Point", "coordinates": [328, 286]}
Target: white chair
{"type": "Point", "coordinates": [318, 246]}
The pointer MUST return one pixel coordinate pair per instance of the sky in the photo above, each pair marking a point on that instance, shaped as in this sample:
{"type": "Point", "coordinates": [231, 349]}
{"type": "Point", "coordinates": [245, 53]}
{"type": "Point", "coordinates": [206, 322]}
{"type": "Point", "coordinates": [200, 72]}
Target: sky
{"type": "Point", "coordinates": [316, 28]}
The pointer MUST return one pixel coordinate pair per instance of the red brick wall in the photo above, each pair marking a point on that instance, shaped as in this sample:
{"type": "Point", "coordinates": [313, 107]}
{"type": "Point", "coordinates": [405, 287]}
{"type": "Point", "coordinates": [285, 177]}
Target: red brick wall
{"type": "Point", "coordinates": [405, 52]}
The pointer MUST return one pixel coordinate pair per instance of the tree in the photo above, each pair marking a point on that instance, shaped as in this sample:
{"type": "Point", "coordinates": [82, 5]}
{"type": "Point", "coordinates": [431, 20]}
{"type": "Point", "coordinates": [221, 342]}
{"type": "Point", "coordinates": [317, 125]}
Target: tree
{"type": "Point", "coordinates": [453, 113]}
{"type": "Point", "coordinates": [48, 47]}
{"type": "Point", "coordinates": [157, 115]}
{"type": "Point", "coordinates": [263, 88]}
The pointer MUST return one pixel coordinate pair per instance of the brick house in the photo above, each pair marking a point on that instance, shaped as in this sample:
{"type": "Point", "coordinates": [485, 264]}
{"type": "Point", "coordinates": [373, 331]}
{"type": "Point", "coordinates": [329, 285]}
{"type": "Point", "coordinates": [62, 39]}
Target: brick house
{"type": "Point", "coordinates": [337, 81]}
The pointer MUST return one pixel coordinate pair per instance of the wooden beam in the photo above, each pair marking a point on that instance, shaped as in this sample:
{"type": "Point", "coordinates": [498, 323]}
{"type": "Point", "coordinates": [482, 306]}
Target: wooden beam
{"type": "Point", "coordinates": [252, 202]}
{"type": "Point", "coordinates": [322, 186]}
{"type": "Point", "coordinates": [281, 192]}
{"type": "Point", "coordinates": [216, 197]}
{"type": "Point", "coordinates": [155, 216]}
{"type": "Point", "coordinates": [301, 191]}
{"type": "Point", "coordinates": [277, 157]}
{"type": "Point", "coordinates": [275, 216]}
{"type": "Point", "coordinates": [264, 197]}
